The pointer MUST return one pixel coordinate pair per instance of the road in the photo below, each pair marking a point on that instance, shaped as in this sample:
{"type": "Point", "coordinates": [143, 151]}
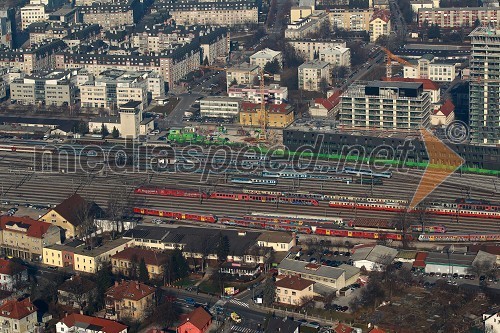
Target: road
{"type": "Point", "coordinates": [362, 71]}
{"type": "Point", "coordinates": [398, 22]}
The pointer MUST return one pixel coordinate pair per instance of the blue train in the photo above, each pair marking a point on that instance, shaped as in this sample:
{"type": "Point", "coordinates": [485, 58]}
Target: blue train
{"type": "Point", "coordinates": [256, 181]}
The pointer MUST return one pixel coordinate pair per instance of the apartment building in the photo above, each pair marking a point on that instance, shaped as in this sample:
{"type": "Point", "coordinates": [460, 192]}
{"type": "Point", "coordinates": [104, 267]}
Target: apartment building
{"type": "Point", "coordinates": [273, 93]}
{"type": "Point", "coordinates": [33, 59]}
{"type": "Point", "coordinates": [215, 46]}
{"type": "Point", "coordinates": [241, 74]}
{"type": "Point", "coordinates": [307, 26]}
{"type": "Point", "coordinates": [129, 300]}
{"type": "Point", "coordinates": [46, 31]}
{"type": "Point", "coordinates": [447, 18]}
{"type": "Point", "coordinates": [310, 48]}
{"type": "Point", "coordinates": [214, 13]}
{"type": "Point", "coordinates": [172, 66]}
{"type": "Point", "coordinates": [429, 86]}
{"type": "Point", "coordinates": [124, 262]}
{"type": "Point", "coordinates": [336, 56]}
{"type": "Point", "coordinates": [76, 322]}
{"type": "Point", "coordinates": [386, 105]}
{"type": "Point", "coordinates": [350, 19]}
{"type": "Point", "coordinates": [110, 15]}
{"type": "Point", "coordinates": [51, 88]}
{"type": "Point", "coordinates": [311, 73]}
{"type": "Point", "coordinates": [81, 258]}
{"type": "Point", "coordinates": [278, 115]}
{"type": "Point", "coordinates": [24, 238]}
{"type": "Point", "coordinates": [293, 290]}
{"type": "Point", "coordinates": [427, 68]}
{"type": "Point", "coordinates": [31, 14]}
{"type": "Point", "coordinates": [18, 316]}
{"type": "Point", "coordinates": [262, 57]}
{"type": "Point", "coordinates": [220, 107]}
{"type": "Point", "coordinates": [484, 121]}
{"type": "Point", "coordinates": [380, 24]}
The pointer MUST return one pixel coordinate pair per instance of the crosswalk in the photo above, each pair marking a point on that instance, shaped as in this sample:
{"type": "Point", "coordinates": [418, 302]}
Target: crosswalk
{"type": "Point", "coordinates": [240, 303]}
{"type": "Point", "coordinates": [241, 329]}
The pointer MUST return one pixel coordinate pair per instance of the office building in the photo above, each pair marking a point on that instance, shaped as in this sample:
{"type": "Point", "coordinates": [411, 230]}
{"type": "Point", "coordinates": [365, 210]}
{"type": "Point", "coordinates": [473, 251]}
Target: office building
{"type": "Point", "coordinates": [387, 105]}
{"type": "Point", "coordinates": [312, 73]}
{"type": "Point", "coordinates": [484, 96]}
{"type": "Point", "coordinates": [220, 107]}
{"type": "Point", "coordinates": [51, 88]}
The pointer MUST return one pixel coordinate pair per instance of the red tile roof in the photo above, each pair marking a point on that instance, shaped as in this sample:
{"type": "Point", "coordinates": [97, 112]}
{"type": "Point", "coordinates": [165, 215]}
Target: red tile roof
{"type": "Point", "coordinates": [420, 259]}
{"type": "Point", "coordinates": [199, 318]}
{"type": "Point", "coordinates": [34, 228]}
{"type": "Point", "coordinates": [151, 257]}
{"type": "Point", "coordinates": [325, 102]}
{"type": "Point", "coordinates": [294, 282]}
{"type": "Point", "coordinates": [447, 108]}
{"type": "Point", "coordinates": [377, 330]}
{"type": "Point", "coordinates": [343, 328]}
{"type": "Point", "coordinates": [15, 309]}
{"type": "Point", "coordinates": [9, 267]}
{"type": "Point", "coordinates": [132, 290]}
{"type": "Point", "coordinates": [382, 14]}
{"type": "Point", "coordinates": [428, 84]}
{"type": "Point", "coordinates": [105, 325]}
{"type": "Point", "coordinates": [335, 97]}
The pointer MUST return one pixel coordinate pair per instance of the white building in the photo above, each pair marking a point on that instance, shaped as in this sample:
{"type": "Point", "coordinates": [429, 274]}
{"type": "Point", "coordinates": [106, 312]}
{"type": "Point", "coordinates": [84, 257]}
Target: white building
{"type": "Point", "coordinates": [220, 107]}
{"type": "Point", "coordinates": [130, 120]}
{"type": "Point", "coordinates": [373, 258]}
{"type": "Point", "coordinates": [272, 93]}
{"type": "Point", "coordinates": [426, 68]}
{"type": "Point", "coordinates": [278, 241]}
{"type": "Point", "coordinates": [336, 56]}
{"type": "Point", "coordinates": [491, 321]}
{"type": "Point", "coordinates": [265, 56]}
{"type": "Point", "coordinates": [385, 105]}
{"type": "Point", "coordinates": [309, 48]}
{"type": "Point", "coordinates": [76, 322]}
{"type": "Point", "coordinates": [31, 14]}
{"type": "Point", "coordinates": [241, 74]}
{"type": "Point", "coordinates": [311, 73]}
{"type": "Point", "coordinates": [11, 273]}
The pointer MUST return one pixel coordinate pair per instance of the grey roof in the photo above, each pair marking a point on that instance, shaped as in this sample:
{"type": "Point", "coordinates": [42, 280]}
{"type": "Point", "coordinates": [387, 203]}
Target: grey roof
{"type": "Point", "coordinates": [83, 250]}
{"type": "Point", "coordinates": [451, 259]}
{"type": "Point", "coordinates": [350, 271]}
{"type": "Point", "coordinates": [378, 254]}
{"type": "Point", "coordinates": [395, 84]}
{"type": "Point", "coordinates": [109, 119]}
{"type": "Point", "coordinates": [485, 257]}
{"type": "Point", "coordinates": [300, 267]}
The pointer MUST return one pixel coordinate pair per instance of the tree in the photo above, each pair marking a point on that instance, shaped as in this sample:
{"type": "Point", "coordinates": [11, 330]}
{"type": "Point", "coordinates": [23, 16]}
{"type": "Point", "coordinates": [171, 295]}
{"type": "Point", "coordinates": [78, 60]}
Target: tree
{"type": "Point", "coordinates": [434, 31]}
{"type": "Point", "coordinates": [323, 85]}
{"type": "Point", "coordinates": [269, 292]}
{"type": "Point", "coordinates": [115, 133]}
{"type": "Point", "coordinates": [233, 82]}
{"type": "Point", "coordinates": [143, 271]}
{"type": "Point", "coordinates": [132, 272]}
{"type": "Point", "coordinates": [325, 30]}
{"type": "Point", "coordinates": [273, 67]}
{"type": "Point", "coordinates": [477, 23]}
{"type": "Point", "coordinates": [104, 131]}
{"type": "Point", "coordinates": [82, 127]}
{"type": "Point", "coordinates": [104, 280]}
{"type": "Point", "coordinates": [179, 265]}
{"type": "Point", "coordinates": [165, 314]}
{"type": "Point", "coordinates": [205, 61]}
{"type": "Point", "coordinates": [223, 248]}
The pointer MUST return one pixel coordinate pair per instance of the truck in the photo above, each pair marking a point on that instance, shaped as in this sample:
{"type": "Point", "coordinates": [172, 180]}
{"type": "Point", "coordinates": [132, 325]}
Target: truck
{"type": "Point", "coordinates": [235, 317]}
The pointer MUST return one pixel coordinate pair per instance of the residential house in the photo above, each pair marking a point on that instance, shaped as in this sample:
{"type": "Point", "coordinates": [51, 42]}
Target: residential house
{"type": "Point", "coordinates": [76, 322]}
{"type": "Point", "coordinates": [491, 321]}
{"type": "Point", "coordinates": [24, 238]}
{"type": "Point", "coordinates": [444, 115]}
{"type": "Point", "coordinates": [130, 300]}
{"type": "Point", "coordinates": [11, 274]}
{"type": "Point", "coordinates": [325, 107]}
{"type": "Point", "coordinates": [82, 258]}
{"type": "Point", "coordinates": [124, 261]}
{"type": "Point", "coordinates": [343, 328]}
{"type": "Point", "coordinates": [197, 321]}
{"type": "Point", "coordinates": [278, 241]}
{"type": "Point", "coordinates": [18, 316]}
{"type": "Point", "coordinates": [294, 290]}
{"type": "Point", "coordinates": [373, 258]}
{"type": "Point", "coordinates": [71, 214]}
{"type": "Point", "coordinates": [77, 292]}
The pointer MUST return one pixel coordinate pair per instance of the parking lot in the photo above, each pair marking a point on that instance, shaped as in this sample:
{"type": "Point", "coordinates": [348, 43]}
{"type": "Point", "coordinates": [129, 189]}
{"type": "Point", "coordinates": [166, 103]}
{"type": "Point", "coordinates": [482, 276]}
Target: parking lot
{"type": "Point", "coordinates": [325, 257]}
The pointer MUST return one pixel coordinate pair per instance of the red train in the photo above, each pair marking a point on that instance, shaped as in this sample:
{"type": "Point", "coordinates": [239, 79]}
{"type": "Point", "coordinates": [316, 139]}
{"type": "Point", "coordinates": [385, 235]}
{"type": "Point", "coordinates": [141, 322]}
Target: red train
{"type": "Point", "coordinates": [226, 196]}
{"type": "Point", "coordinates": [176, 215]}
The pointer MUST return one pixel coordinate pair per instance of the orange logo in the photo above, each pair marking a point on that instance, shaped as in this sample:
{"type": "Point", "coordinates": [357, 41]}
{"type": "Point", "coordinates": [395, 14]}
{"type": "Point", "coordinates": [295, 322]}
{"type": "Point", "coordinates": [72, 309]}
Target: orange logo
{"type": "Point", "coordinates": [443, 162]}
